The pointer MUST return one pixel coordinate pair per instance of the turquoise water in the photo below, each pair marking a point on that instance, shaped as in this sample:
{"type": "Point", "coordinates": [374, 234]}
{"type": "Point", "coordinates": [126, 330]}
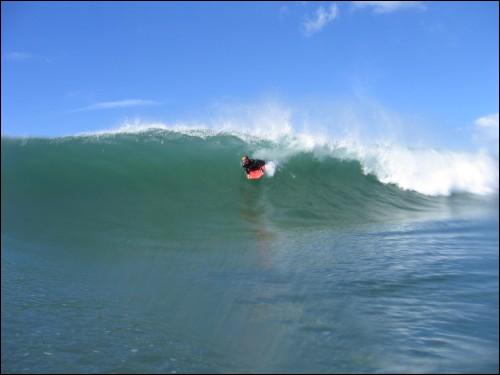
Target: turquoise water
{"type": "Point", "coordinates": [152, 253]}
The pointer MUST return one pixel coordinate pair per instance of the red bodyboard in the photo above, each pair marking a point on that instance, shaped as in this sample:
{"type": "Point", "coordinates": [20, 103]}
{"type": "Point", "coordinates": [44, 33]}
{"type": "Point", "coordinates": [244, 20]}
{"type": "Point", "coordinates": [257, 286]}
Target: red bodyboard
{"type": "Point", "coordinates": [256, 174]}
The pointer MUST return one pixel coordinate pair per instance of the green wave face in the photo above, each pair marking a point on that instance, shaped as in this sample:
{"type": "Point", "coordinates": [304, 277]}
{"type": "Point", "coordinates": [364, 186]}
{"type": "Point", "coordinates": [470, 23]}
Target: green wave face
{"type": "Point", "coordinates": [171, 186]}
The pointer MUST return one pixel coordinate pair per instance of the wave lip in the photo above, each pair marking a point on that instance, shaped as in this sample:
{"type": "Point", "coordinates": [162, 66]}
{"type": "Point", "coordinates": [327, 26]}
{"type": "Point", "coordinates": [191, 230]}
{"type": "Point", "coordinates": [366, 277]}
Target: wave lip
{"type": "Point", "coordinates": [433, 172]}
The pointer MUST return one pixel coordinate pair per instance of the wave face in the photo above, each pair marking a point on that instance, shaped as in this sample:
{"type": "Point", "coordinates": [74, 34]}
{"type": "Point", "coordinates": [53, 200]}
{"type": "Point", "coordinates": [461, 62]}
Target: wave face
{"type": "Point", "coordinates": [162, 181]}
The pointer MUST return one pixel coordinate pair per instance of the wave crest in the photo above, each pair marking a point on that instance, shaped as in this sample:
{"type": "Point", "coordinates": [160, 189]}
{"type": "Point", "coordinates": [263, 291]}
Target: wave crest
{"type": "Point", "coordinates": [427, 171]}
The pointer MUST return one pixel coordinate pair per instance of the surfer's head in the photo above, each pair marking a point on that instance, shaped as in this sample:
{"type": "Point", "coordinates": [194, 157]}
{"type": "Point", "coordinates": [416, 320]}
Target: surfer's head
{"type": "Point", "coordinates": [244, 159]}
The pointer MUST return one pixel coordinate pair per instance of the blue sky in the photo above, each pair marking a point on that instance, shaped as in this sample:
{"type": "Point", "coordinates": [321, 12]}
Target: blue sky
{"type": "Point", "coordinates": [73, 67]}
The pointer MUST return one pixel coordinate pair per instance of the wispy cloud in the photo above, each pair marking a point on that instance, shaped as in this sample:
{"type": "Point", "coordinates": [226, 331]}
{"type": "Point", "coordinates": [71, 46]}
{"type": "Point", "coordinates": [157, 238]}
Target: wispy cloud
{"type": "Point", "coordinates": [322, 17]}
{"type": "Point", "coordinates": [18, 56]}
{"type": "Point", "coordinates": [25, 56]}
{"type": "Point", "coordinates": [387, 6]}
{"type": "Point", "coordinates": [486, 132]}
{"type": "Point", "coordinates": [117, 104]}
{"type": "Point", "coordinates": [284, 10]}
{"type": "Point", "coordinates": [489, 121]}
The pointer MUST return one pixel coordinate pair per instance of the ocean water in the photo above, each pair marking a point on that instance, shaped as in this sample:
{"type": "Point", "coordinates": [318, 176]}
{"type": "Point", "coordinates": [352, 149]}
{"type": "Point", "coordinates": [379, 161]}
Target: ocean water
{"type": "Point", "coordinates": [150, 252]}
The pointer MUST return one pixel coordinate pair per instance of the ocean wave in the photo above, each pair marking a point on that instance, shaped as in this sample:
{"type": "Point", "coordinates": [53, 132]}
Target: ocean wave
{"type": "Point", "coordinates": [168, 182]}
{"type": "Point", "coordinates": [424, 170]}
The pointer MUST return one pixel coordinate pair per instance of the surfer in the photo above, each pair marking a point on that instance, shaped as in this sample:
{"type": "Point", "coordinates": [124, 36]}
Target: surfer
{"type": "Point", "coordinates": [251, 164]}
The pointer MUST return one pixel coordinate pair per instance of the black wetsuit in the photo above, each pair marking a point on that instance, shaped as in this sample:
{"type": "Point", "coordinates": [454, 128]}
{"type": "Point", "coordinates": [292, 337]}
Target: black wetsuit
{"type": "Point", "coordinates": [253, 164]}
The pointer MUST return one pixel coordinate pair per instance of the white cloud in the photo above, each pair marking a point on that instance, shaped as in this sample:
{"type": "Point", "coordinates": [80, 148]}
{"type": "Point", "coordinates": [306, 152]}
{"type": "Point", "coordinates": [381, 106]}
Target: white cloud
{"type": "Point", "coordinates": [18, 56]}
{"type": "Point", "coordinates": [486, 132]}
{"type": "Point", "coordinates": [489, 121]}
{"type": "Point", "coordinates": [322, 17]}
{"type": "Point", "coordinates": [284, 10]}
{"type": "Point", "coordinates": [117, 104]}
{"type": "Point", "coordinates": [387, 6]}
{"type": "Point", "coordinates": [25, 56]}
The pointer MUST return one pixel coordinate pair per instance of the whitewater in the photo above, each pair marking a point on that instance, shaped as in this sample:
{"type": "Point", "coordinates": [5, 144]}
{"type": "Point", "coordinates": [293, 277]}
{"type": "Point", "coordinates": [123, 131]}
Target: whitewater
{"type": "Point", "coordinates": [426, 170]}
{"type": "Point", "coordinates": [145, 249]}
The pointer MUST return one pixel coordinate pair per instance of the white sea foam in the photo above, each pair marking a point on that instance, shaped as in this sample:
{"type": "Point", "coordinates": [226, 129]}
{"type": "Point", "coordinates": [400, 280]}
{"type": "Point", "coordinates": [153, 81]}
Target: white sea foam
{"type": "Point", "coordinates": [430, 171]}
{"type": "Point", "coordinates": [271, 168]}
{"type": "Point", "coordinates": [425, 170]}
